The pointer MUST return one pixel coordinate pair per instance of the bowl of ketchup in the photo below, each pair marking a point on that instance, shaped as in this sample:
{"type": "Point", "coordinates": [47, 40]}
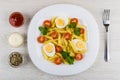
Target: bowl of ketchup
{"type": "Point", "coordinates": [16, 19]}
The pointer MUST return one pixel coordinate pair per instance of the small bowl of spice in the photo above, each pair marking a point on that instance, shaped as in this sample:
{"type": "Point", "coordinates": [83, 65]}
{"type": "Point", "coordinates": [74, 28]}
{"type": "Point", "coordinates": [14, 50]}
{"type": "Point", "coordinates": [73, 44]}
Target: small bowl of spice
{"type": "Point", "coordinates": [15, 59]}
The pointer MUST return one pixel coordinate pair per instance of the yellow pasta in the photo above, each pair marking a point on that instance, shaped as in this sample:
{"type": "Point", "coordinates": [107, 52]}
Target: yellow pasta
{"type": "Point", "coordinates": [52, 29]}
{"type": "Point", "coordinates": [72, 54]}
{"type": "Point", "coordinates": [68, 30]}
{"type": "Point", "coordinates": [52, 58]}
{"type": "Point", "coordinates": [77, 37]}
{"type": "Point", "coordinates": [68, 20]}
{"type": "Point", "coordinates": [44, 54]}
{"type": "Point", "coordinates": [53, 21]}
{"type": "Point", "coordinates": [59, 40]}
{"type": "Point", "coordinates": [60, 30]}
{"type": "Point", "coordinates": [78, 25]}
{"type": "Point", "coordinates": [59, 54]}
{"type": "Point", "coordinates": [65, 62]}
{"type": "Point", "coordinates": [48, 34]}
{"type": "Point", "coordinates": [72, 46]}
{"type": "Point", "coordinates": [82, 26]}
{"type": "Point", "coordinates": [67, 45]}
{"type": "Point", "coordinates": [63, 44]}
{"type": "Point", "coordinates": [53, 41]}
{"type": "Point", "coordinates": [48, 37]}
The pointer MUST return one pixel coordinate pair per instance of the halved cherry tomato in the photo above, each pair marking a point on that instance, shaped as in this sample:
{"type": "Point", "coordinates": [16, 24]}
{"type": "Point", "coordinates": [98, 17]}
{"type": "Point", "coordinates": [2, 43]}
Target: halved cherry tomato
{"type": "Point", "coordinates": [41, 39]}
{"type": "Point", "coordinates": [79, 56]}
{"type": "Point", "coordinates": [54, 35]}
{"type": "Point", "coordinates": [58, 48]}
{"type": "Point", "coordinates": [57, 60]}
{"type": "Point", "coordinates": [74, 20]}
{"type": "Point", "coordinates": [82, 31]}
{"type": "Point", "coordinates": [47, 23]}
{"type": "Point", "coordinates": [67, 36]}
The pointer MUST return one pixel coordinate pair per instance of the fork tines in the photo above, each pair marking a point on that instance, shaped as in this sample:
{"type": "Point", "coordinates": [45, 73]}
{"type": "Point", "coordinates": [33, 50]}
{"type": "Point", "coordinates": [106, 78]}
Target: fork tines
{"type": "Point", "coordinates": [106, 14]}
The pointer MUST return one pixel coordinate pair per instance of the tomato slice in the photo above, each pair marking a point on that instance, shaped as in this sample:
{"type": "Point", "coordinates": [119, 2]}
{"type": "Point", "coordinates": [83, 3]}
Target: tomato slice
{"type": "Point", "coordinates": [47, 23]}
{"type": "Point", "coordinates": [58, 60]}
{"type": "Point", "coordinates": [41, 39]}
{"type": "Point", "coordinates": [67, 36]}
{"type": "Point", "coordinates": [74, 20]}
{"type": "Point", "coordinates": [54, 35]}
{"type": "Point", "coordinates": [79, 56]}
{"type": "Point", "coordinates": [58, 48]}
{"type": "Point", "coordinates": [82, 31]}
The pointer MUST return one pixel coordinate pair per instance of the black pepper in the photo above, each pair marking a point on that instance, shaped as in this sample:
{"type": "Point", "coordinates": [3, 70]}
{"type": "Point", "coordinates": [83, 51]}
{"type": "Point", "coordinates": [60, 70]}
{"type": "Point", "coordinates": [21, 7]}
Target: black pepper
{"type": "Point", "coordinates": [15, 59]}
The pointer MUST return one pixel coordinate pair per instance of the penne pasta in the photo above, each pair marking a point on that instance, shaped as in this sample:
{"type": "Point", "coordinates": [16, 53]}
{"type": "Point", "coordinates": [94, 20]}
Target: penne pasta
{"type": "Point", "coordinates": [78, 37]}
{"type": "Point", "coordinates": [48, 37]}
{"type": "Point", "coordinates": [72, 54]}
{"type": "Point", "coordinates": [63, 40]}
{"type": "Point", "coordinates": [44, 54]}
{"type": "Point", "coordinates": [59, 38]}
{"type": "Point", "coordinates": [60, 31]}
{"type": "Point", "coordinates": [65, 62]}
{"type": "Point", "coordinates": [52, 58]}
{"type": "Point", "coordinates": [72, 46]}
{"type": "Point", "coordinates": [53, 21]}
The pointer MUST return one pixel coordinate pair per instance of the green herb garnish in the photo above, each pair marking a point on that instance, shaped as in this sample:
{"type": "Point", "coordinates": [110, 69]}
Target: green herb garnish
{"type": "Point", "coordinates": [72, 25]}
{"type": "Point", "coordinates": [70, 59]}
{"type": "Point", "coordinates": [67, 57]}
{"type": "Point", "coordinates": [77, 31]}
{"type": "Point", "coordinates": [43, 30]}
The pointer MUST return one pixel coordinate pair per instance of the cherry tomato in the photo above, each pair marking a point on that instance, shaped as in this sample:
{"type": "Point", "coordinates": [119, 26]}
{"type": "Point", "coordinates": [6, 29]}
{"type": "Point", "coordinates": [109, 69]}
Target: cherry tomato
{"type": "Point", "coordinates": [54, 35]}
{"type": "Point", "coordinates": [58, 48]}
{"type": "Point", "coordinates": [67, 36]}
{"type": "Point", "coordinates": [74, 20]}
{"type": "Point", "coordinates": [79, 56]}
{"type": "Point", "coordinates": [16, 19]}
{"type": "Point", "coordinates": [47, 23]}
{"type": "Point", "coordinates": [82, 31]}
{"type": "Point", "coordinates": [41, 39]}
{"type": "Point", "coordinates": [58, 60]}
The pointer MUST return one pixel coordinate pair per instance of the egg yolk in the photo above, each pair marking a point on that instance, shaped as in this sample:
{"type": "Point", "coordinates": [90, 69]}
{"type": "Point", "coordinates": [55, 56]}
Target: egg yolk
{"type": "Point", "coordinates": [60, 22]}
{"type": "Point", "coordinates": [48, 48]}
{"type": "Point", "coordinates": [80, 44]}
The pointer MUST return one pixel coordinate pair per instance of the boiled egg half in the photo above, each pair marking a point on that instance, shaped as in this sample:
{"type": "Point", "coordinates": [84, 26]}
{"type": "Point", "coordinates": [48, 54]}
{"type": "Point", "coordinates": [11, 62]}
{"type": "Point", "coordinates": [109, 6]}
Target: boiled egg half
{"type": "Point", "coordinates": [49, 49]}
{"type": "Point", "coordinates": [61, 22]}
{"type": "Point", "coordinates": [79, 44]}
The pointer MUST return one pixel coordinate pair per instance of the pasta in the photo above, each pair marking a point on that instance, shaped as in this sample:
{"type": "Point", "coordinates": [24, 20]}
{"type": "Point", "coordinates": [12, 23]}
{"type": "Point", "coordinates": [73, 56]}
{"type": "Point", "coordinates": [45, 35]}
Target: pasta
{"type": "Point", "coordinates": [66, 36]}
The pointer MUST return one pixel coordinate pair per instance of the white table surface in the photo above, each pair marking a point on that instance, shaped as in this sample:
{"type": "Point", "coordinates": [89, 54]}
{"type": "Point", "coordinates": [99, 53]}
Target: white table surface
{"type": "Point", "coordinates": [100, 69]}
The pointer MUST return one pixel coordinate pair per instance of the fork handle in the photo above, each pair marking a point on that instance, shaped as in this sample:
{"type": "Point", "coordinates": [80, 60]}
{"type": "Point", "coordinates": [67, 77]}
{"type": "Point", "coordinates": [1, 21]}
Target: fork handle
{"type": "Point", "coordinates": [106, 55]}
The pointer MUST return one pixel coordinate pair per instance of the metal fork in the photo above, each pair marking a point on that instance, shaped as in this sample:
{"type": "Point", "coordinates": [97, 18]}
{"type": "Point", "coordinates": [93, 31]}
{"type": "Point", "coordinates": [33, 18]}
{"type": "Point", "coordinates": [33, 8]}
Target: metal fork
{"type": "Point", "coordinates": [106, 23]}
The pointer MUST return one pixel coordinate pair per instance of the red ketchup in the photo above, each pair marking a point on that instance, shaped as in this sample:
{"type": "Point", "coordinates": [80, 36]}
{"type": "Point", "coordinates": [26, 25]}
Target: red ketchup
{"type": "Point", "coordinates": [16, 19]}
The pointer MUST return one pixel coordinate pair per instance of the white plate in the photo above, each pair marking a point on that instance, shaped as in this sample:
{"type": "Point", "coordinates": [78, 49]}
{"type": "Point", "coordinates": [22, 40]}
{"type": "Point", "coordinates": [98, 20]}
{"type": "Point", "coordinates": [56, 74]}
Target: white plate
{"type": "Point", "coordinates": [71, 11]}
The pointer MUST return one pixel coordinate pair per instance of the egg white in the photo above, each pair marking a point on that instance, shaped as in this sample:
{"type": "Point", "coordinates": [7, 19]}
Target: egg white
{"type": "Point", "coordinates": [65, 21]}
{"type": "Point", "coordinates": [74, 41]}
{"type": "Point", "coordinates": [51, 54]}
